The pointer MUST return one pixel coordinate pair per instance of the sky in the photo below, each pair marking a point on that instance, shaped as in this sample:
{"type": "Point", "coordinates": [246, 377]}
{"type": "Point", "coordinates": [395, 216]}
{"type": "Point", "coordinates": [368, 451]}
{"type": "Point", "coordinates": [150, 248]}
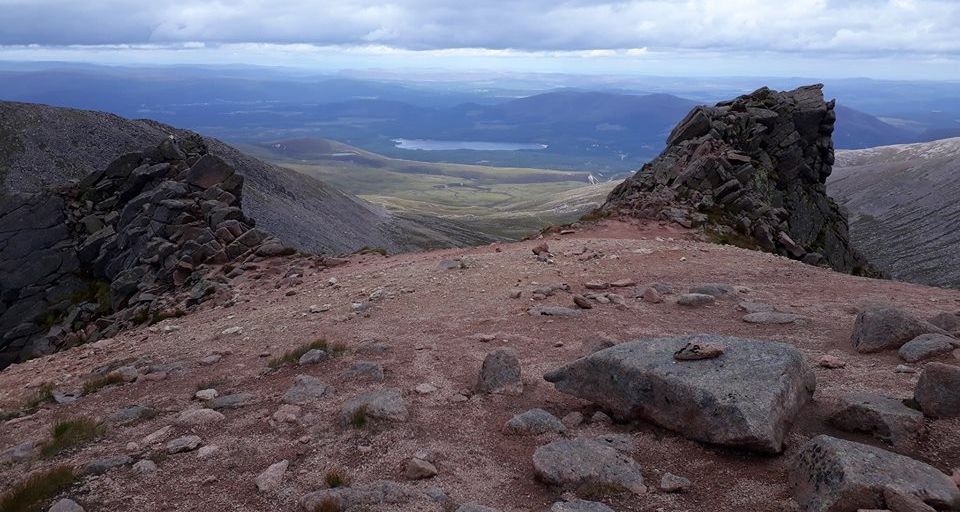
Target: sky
{"type": "Point", "coordinates": [916, 39]}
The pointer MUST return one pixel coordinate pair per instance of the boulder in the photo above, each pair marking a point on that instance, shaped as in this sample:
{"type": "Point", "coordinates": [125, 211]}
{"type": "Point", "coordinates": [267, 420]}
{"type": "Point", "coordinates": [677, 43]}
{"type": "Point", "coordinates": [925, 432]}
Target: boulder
{"type": "Point", "coordinates": [306, 389]}
{"type": "Point", "coordinates": [580, 463]}
{"type": "Point", "coordinates": [747, 397]}
{"type": "Point", "coordinates": [534, 422]}
{"type": "Point", "coordinates": [947, 321]}
{"type": "Point", "coordinates": [926, 346]}
{"type": "Point", "coordinates": [834, 475]}
{"type": "Point", "coordinates": [885, 418]}
{"type": "Point", "coordinates": [500, 374]}
{"type": "Point", "coordinates": [887, 328]}
{"type": "Point", "coordinates": [938, 390]}
{"type": "Point", "coordinates": [382, 404]}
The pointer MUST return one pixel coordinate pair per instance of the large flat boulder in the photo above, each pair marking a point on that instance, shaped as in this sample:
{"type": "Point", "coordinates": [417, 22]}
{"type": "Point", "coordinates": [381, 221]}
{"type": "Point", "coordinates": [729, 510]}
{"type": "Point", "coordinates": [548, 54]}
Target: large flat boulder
{"type": "Point", "coordinates": [887, 328]}
{"type": "Point", "coordinates": [834, 475]}
{"type": "Point", "coordinates": [747, 397]}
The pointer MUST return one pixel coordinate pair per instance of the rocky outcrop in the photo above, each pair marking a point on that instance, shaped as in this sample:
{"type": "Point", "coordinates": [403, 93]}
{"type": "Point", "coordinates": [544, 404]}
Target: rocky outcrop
{"type": "Point", "coordinates": [747, 396]}
{"type": "Point", "coordinates": [110, 248]}
{"type": "Point", "coordinates": [751, 172]}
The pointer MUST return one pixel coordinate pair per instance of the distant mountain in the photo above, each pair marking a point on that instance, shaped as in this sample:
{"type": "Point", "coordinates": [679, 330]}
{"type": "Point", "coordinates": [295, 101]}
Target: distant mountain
{"type": "Point", "coordinates": [42, 146]}
{"type": "Point", "coordinates": [858, 130]}
{"type": "Point", "coordinates": [903, 208]}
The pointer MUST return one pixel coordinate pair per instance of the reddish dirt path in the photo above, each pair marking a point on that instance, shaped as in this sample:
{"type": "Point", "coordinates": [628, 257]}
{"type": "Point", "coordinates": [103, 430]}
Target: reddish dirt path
{"type": "Point", "coordinates": [431, 329]}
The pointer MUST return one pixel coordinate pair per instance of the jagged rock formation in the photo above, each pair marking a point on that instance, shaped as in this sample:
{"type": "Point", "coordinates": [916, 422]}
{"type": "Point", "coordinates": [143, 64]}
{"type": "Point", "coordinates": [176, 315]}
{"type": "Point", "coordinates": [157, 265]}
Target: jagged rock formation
{"type": "Point", "coordinates": [116, 242]}
{"type": "Point", "coordinates": [751, 172]}
{"type": "Point", "coordinates": [43, 146]}
{"type": "Point", "coordinates": [901, 198]}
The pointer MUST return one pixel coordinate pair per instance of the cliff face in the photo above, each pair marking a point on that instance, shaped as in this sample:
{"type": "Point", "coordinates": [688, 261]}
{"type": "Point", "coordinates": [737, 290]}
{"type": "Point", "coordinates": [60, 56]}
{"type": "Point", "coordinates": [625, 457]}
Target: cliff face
{"type": "Point", "coordinates": [752, 172]}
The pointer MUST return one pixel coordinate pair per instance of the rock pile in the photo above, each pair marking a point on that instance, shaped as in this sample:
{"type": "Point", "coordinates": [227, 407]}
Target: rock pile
{"type": "Point", "coordinates": [752, 172]}
{"type": "Point", "coordinates": [116, 243]}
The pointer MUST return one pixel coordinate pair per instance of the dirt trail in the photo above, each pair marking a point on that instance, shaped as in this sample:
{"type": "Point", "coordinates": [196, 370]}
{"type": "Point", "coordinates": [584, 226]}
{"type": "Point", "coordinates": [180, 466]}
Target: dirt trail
{"type": "Point", "coordinates": [426, 329]}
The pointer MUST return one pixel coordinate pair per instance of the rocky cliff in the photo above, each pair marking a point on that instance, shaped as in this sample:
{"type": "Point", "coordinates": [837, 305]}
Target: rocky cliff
{"type": "Point", "coordinates": [80, 262]}
{"type": "Point", "coordinates": [751, 172]}
{"type": "Point", "coordinates": [43, 146]}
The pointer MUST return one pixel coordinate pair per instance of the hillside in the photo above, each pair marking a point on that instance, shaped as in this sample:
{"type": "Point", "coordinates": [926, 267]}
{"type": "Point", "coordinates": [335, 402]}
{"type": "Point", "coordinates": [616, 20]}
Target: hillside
{"type": "Point", "coordinates": [903, 208]}
{"type": "Point", "coordinates": [501, 202]}
{"type": "Point", "coordinates": [416, 336]}
{"type": "Point", "coordinates": [42, 146]}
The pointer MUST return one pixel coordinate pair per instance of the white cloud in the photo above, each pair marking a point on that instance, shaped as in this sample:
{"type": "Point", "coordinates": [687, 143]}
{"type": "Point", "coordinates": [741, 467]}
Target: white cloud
{"type": "Point", "coordinates": [876, 27]}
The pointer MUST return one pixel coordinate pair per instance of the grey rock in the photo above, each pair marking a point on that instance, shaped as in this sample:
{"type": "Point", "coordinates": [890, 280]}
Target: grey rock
{"type": "Point", "coordinates": [382, 404]}
{"type": "Point", "coordinates": [306, 389]}
{"type": "Point", "coordinates": [534, 422]}
{"type": "Point", "coordinates": [573, 463]}
{"type": "Point", "coordinates": [145, 467]}
{"type": "Point", "coordinates": [887, 328]}
{"type": "Point", "coordinates": [65, 505]}
{"type": "Point", "coordinates": [716, 290]}
{"type": "Point", "coordinates": [755, 307]}
{"type": "Point", "coordinates": [272, 477]}
{"type": "Point", "coordinates": [196, 417]}
{"type": "Point", "coordinates": [579, 506]}
{"type": "Point", "coordinates": [474, 507]}
{"type": "Point", "coordinates": [313, 356]}
{"type": "Point", "coordinates": [381, 492]}
{"type": "Point", "coordinates": [673, 483]}
{"type": "Point", "coordinates": [771, 318]}
{"type": "Point", "coordinates": [101, 466]}
{"type": "Point", "coordinates": [748, 397]}
{"type": "Point", "coordinates": [183, 444]}
{"type": "Point", "coordinates": [553, 311]}
{"type": "Point", "coordinates": [938, 390]}
{"type": "Point", "coordinates": [947, 321]}
{"type": "Point", "coordinates": [234, 401]}
{"type": "Point", "coordinates": [132, 413]}
{"type": "Point", "coordinates": [500, 373]}
{"type": "Point", "coordinates": [830, 474]}
{"type": "Point", "coordinates": [365, 370]}
{"type": "Point", "coordinates": [885, 418]}
{"type": "Point", "coordinates": [419, 469]}
{"type": "Point", "coordinates": [695, 299]}
{"type": "Point", "coordinates": [17, 453]}
{"type": "Point", "coordinates": [926, 346]}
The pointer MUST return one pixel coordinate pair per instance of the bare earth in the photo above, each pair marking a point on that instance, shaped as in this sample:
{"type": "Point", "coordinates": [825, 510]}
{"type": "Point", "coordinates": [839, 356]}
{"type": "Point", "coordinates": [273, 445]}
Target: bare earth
{"type": "Point", "coordinates": [432, 320]}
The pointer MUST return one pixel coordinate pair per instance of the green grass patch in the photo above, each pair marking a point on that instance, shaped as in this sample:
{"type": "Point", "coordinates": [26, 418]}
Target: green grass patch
{"type": "Point", "coordinates": [71, 434]}
{"type": "Point", "coordinates": [334, 349]}
{"type": "Point", "coordinates": [31, 494]}
{"type": "Point", "coordinates": [98, 383]}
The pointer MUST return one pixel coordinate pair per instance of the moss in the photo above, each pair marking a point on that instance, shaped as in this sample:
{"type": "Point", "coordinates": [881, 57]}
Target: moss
{"type": "Point", "coordinates": [31, 494]}
{"type": "Point", "coordinates": [598, 490]}
{"type": "Point", "coordinates": [165, 314]}
{"type": "Point", "coordinates": [294, 355]}
{"type": "Point", "coordinates": [336, 478]}
{"type": "Point", "coordinates": [359, 417]}
{"type": "Point", "coordinates": [98, 383]}
{"type": "Point", "coordinates": [70, 434]}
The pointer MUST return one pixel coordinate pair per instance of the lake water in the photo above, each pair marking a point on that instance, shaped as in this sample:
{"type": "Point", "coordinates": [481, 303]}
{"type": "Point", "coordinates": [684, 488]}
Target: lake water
{"type": "Point", "coordinates": [447, 145]}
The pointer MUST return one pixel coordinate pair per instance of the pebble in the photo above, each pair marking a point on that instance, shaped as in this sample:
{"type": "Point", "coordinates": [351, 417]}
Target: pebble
{"type": "Point", "coordinates": [232, 330]}
{"type": "Point", "coordinates": [831, 362]}
{"type": "Point", "coordinates": [211, 359]}
{"type": "Point", "coordinates": [902, 368]}
{"type": "Point", "coordinates": [582, 302]}
{"type": "Point", "coordinates": [673, 483]}
{"type": "Point", "coordinates": [183, 444]}
{"type": "Point", "coordinates": [206, 394]}
{"type": "Point", "coordinates": [145, 467]}
{"type": "Point", "coordinates": [419, 469]}
{"type": "Point", "coordinates": [425, 388]}
{"type": "Point", "coordinates": [206, 451]}
{"type": "Point", "coordinates": [272, 477]}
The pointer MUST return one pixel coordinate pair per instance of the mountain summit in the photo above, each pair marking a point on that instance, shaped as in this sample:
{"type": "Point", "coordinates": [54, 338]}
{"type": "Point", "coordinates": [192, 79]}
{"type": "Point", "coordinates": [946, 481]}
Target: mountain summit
{"type": "Point", "coordinates": [752, 172]}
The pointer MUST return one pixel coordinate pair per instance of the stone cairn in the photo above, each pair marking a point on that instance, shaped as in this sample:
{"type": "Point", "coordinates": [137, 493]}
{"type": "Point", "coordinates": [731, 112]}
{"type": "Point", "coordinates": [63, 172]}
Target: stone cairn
{"type": "Point", "coordinates": [750, 172]}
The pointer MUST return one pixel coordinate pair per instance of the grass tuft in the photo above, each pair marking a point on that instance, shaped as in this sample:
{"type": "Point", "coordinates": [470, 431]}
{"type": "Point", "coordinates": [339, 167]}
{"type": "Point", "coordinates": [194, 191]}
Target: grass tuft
{"type": "Point", "coordinates": [294, 355]}
{"type": "Point", "coordinates": [359, 417]}
{"type": "Point", "coordinates": [98, 383]}
{"type": "Point", "coordinates": [71, 434]}
{"type": "Point", "coordinates": [371, 250]}
{"type": "Point", "coordinates": [42, 396]}
{"type": "Point", "coordinates": [329, 504]}
{"type": "Point", "coordinates": [598, 490]}
{"type": "Point", "coordinates": [31, 494]}
{"type": "Point", "coordinates": [336, 478]}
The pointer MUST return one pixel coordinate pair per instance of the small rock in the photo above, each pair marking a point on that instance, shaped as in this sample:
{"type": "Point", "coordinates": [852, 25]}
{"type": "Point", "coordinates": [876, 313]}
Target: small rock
{"type": "Point", "coordinates": [572, 463]}
{"type": "Point", "coordinates": [938, 391]}
{"type": "Point", "coordinates": [101, 466]}
{"type": "Point", "coordinates": [207, 451]}
{"type": "Point", "coordinates": [596, 285]}
{"type": "Point", "coordinates": [552, 311]}
{"type": "Point", "coordinates": [158, 434]}
{"type": "Point", "coordinates": [541, 249]}
{"type": "Point", "coordinates": [831, 362]}
{"type": "Point", "coordinates": [313, 356]}
{"type": "Point", "coordinates": [183, 444]}
{"type": "Point", "coordinates": [272, 477]}
{"type": "Point", "coordinates": [534, 422]}
{"type": "Point", "coordinates": [473, 507]}
{"type": "Point", "coordinates": [885, 418]}
{"type": "Point", "coordinates": [716, 290]}
{"type": "Point", "coordinates": [582, 302]}
{"type": "Point", "coordinates": [673, 483]}
{"type": "Point", "coordinates": [902, 368]}
{"type": "Point", "coordinates": [887, 328]}
{"type": "Point", "coordinates": [695, 299]}
{"type": "Point", "coordinates": [365, 370]}
{"type": "Point", "coordinates": [419, 469]}
{"type": "Point", "coordinates": [695, 351]}
{"type": "Point", "coordinates": [211, 359]}
{"type": "Point", "coordinates": [572, 419]}
{"type": "Point", "coordinates": [196, 417]}
{"type": "Point", "coordinates": [652, 296]}
{"type": "Point", "coordinates": [145, 467]}
{"type": "Point", "coordinates": [66, 505]}
{"type": "Point", "coordinates": [425, 388]}
{"type": "Point", "coordinates": [515, 294]}
{"type": "Point", "coordinates": [232, 330]}
{"type": "Point", "coordinates": [623, 283]}
{"type": "Point", "coordinates": [500, 373]}
{"type": "Point", "coordinates": [601, 418]}
{"type": "Point", "coordinates": [755, 307]}
{"type": "Point", "coordinates": [927, 346]}
{"type": "Point", "coordinates": [234, 401]}
{"type": "Point", "coordinates": [17, 453]}
{"type": "Point", "coordinates": [383, 404]}
{"type": "Point", "coordinates": [306, 389]}
{"type": "Point", "coordinates": [206, 394]}
{"type": "Point", "coordinates": [132, 413]}
{"type": "Point", "coordinates": [287, 413]}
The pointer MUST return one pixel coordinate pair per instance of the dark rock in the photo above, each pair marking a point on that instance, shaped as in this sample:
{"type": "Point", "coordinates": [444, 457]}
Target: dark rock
{"type": "Point", "coordinates": [760, 161]}
{"type": "Point", "coordinates": [938, 390]}
{"type": "Point", "coordinates": [234, 401]}
{"type": "Point", "coordinates": [716, 290]}
{"type": "Point", "coordinates": [534, 422]}
{"type": "Point", "coordinates": [500, 373]}
{"type": "Point", "coordinates": [885, 418]}
{"type": "Point", "coordinates": [382, 404]}
{"type": "Point", "coordinates": [887, 328]}
{"type": "Point", "coordinates": [576, 463]}
{"type": "Point", "coordinates": [830, 474]}
{"type": "Point", "coordinates": [101, 466]}
{"type": "Point", "coordinates": [748, 397]}
{"type": "Point", "coordinates": [926, 346]}
{"type": "Point", "coordinates": [947, 321]}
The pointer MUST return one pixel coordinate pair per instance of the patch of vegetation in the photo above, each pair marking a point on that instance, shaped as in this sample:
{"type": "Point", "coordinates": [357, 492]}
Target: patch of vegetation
{"type": "Point", "coordinates": [227, 268]}
{"type": "Point", "coordinates": [31, 495]}
{"type": "Point", "coordinates": [371, 250]}
{"type": "Point", "coordinates": [595, 215]}
{"type": "Point", "coordinates": [598, 490]}
{"type": "Point", "coordinates": [359, 417]}
{"type": "Point", "coordinates": [210, 384]}
{"type": "Point", "coordinates": [336, 478]}
{"type": "Point", "coordinates": [97, 292]}
{"type": "Point", "coordinates": [292, 356]}
{"type": "Point", "coordinates": [329, 504]}
{"type": "Point", "coordinates": [167, 313]}
{"type": "Point", "coordinates": [44, 395]}
{"type": "Point", "coordinates": [71, 434]}
{"type": "Point", "coordinates": [98, 383]}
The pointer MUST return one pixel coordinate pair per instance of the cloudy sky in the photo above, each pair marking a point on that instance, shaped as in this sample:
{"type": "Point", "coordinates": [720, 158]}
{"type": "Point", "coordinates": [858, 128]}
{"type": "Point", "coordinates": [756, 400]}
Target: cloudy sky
{"type": "Point", "coordinates": [882, 38]}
